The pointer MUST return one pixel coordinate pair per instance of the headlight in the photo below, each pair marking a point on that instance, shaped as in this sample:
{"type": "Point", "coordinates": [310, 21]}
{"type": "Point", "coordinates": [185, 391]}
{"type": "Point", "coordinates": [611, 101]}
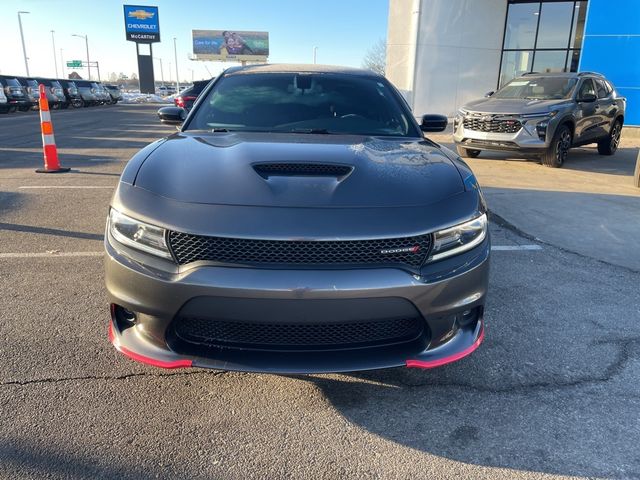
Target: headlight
{"type": "Point", "coordinates": [460, 238]}
{"type": "Point", "coordinates": [139, 235]}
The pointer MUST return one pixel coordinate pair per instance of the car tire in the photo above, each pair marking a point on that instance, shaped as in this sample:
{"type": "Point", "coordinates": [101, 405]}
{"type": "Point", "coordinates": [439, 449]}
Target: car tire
{"type": "Point", "coordinates": [468, 152]}
{"type": "Point", "coordinates": [609, 144]}
{"type": "Point", "coordinates": [557, 152]}
{"type": "Point", "coordinates": [24, 109]}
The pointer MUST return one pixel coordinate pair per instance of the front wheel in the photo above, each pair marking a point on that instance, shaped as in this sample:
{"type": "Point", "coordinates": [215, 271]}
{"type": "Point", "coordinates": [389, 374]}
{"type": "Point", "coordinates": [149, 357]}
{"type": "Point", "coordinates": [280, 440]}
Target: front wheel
{"type": "Point", "coordinates": [557, 152]}
{"type": "Point", "coordinates": [610, 144]}
{"type": "Point", "coordinates": [468, 152]}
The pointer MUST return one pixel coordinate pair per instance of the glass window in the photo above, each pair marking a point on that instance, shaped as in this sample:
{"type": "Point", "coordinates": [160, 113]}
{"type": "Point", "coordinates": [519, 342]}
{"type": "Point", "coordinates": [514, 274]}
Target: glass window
{"type": "Point", "coordinates": [535, 87]}
{"type": "Point", "coordinates": [550, 61]}
{"type": "Point", "coordinates": [602, 89]}
{"type": "Point", "coordinates": [522, 22]}
{"type": "Point", "coordinates": [555, 23]}
{"type": "Point", "coordinates": [573, 60]}
{"type": "Point", "coordinates": [515, 64]}
{"type": "Point", "coordinates": [586, 88]}
{"type": "Point", "coordinates": [578, 24]}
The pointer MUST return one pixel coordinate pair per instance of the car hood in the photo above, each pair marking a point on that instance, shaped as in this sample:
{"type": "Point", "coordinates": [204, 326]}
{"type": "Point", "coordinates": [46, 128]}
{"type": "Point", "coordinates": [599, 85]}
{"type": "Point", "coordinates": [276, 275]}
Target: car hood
{"type": "Point", "coordinates": [220, 169]}
{"type": "Point", "coordinates": [513, 105]}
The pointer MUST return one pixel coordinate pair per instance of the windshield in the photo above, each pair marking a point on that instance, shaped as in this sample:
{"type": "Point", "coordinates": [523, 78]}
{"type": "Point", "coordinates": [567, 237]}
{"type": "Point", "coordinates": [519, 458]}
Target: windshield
{"type": "Point", "coordinates": [303, 103]}
{"type": "Point", "coordinates": [538, 88]}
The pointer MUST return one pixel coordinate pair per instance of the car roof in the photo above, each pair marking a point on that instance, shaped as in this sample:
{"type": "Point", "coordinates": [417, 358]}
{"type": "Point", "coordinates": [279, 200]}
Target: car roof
{"type": "Point", "coordinates": [564, 74]}
{"type": "Point", "coordinates": [299, 68]}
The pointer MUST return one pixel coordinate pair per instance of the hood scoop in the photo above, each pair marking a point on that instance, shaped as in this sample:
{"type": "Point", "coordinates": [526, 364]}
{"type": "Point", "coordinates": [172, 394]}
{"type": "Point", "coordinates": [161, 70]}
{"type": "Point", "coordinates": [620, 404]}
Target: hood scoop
{"type": "Point", "coordinates": [287, 169]}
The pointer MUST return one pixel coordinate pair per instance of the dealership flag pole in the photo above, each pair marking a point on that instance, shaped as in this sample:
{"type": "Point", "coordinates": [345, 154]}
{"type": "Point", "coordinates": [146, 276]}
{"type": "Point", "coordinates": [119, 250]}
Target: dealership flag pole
{"type": "Point", "coordinates": [51, 163]}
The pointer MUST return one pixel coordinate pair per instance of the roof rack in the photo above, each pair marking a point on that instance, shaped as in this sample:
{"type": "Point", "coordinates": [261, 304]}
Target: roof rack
{"type": "Point", "coordinates": [590, 73]}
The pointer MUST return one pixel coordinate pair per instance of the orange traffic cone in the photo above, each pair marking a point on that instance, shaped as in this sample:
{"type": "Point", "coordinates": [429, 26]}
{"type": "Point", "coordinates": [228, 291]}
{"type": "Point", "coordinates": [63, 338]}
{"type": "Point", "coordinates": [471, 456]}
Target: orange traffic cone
{"type": "Point", "coordinates": [51, 163]}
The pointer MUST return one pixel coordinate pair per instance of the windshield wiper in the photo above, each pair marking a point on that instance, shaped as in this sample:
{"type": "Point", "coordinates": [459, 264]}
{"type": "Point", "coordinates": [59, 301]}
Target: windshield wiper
{"type": "Point", "coordinates": [320, 131]}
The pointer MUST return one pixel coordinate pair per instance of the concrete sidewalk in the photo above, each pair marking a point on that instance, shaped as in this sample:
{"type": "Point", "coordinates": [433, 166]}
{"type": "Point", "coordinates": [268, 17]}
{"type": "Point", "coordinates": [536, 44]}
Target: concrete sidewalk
{"type": "Point", "coordinates": [590, 206]}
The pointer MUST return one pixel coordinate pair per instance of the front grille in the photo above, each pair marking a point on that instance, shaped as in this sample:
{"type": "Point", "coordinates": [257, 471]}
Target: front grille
{"type": "Point", "coordinates": [410, 252]}
{"type": "Point", "coordinates": [302, 169]}
{"type": "Point", "coordinates": [219, 333]}
{"type": "Point", "coordinates": [491, 123]}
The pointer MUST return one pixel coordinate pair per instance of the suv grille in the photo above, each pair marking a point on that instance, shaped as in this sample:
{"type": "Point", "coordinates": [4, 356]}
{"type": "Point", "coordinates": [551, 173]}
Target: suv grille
{"type": "Point", "coordinates": [410, 252]}
{"type": "Point", "coordinates": [213, 332]}
{"type": "Point", "coordinates": [490, 123]}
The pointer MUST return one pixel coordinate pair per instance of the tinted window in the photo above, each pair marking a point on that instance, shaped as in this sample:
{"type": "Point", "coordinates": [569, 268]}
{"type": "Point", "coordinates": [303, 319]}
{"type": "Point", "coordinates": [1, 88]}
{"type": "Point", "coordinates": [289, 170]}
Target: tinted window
{"type": "Point", "coordinates": [12, 82]}
{"type": "Point", "coordinates": [290, 102]}
{"type": "Point", "coordinates": [544, 88]}
{"type": "Point", "coordinates": [601, 87]}
{"type": "Point", "coordinates": [586, 88]}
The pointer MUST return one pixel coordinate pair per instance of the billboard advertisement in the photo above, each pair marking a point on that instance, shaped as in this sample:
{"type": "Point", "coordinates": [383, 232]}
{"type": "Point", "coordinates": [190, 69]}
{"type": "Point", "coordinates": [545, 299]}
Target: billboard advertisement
{"type": "Point", "coordinates": [230, 45]}
{"type": "Point", "coordinates": [141, 23]}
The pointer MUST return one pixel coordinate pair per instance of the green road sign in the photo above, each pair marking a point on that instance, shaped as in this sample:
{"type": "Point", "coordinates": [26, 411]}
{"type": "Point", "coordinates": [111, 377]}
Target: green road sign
{"type": "Point", "coordinates": [74, 64]}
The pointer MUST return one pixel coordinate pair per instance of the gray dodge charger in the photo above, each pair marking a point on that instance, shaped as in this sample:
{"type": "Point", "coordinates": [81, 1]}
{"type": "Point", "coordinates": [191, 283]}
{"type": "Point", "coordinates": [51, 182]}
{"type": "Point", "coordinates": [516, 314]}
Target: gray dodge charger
{"type": "Point", "coordinates": [298, 222]}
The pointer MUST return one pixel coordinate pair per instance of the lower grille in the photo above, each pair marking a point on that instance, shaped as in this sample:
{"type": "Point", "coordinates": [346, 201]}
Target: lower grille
{"type": "Point", "coordinates": [268, 336]}
{"type": "Point", "coordinates": [489, 123]}
{"type": "Point", "coordinates": [410, 252]}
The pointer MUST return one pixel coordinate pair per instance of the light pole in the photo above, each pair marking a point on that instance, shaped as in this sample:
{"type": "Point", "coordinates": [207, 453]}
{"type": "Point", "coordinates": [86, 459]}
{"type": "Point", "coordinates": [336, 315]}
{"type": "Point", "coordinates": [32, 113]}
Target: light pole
{"type": "Point", "coordinates": [170, 72]}
{"type": "Point", "coordinates": [315, 51]}
{"type": "Point", "coordinates": [191, 70]}
{"type": "Point", "coordinates": [55, 60]}
{"type": "Point", "coordinates": [161, 71]}
{"type": "Point", "coordinates": [62, 63]}
{"type": "Point", "coordinates": [24, 50]}
{"type": "Point", "coordinates": [86, 41]}
{"type": "Point", "coordinates": [175, 54]}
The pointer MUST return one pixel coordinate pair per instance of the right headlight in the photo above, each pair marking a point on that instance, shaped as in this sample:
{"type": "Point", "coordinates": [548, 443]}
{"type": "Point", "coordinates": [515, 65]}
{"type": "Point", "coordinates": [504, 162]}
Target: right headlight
{"type": "Point", "coordinates": [458, 239]}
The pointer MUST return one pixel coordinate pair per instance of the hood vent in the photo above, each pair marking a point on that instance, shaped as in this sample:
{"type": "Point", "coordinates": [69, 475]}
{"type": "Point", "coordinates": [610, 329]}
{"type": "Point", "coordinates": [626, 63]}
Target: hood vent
{"type": "Point", "coordinates": [267, 170]}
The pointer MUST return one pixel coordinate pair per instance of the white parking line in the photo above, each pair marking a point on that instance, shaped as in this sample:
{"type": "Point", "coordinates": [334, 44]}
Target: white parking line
{"type": "Point", "coordinates": [45, 187]}
{"type": "Point", "coordinates": [511, 248]}
{"type": "Point", "coordinates": [504, 248]}
{"type": "Point", "coordinates": [51, 254]}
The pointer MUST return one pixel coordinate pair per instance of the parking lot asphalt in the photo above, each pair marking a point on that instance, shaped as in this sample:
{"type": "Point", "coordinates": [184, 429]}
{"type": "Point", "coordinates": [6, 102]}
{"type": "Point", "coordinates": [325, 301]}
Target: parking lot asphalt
{"type": "Point", "coordinates": [552, 393]}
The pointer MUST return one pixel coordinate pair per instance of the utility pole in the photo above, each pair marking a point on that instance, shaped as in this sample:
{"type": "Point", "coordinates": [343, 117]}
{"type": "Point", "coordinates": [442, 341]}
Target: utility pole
{"type": "Point", "coordinates": [24, 49]}
{"type": "Point", "coordinates": [315, 51]}
{"type": "Point", "coordinates": [86, 40]}
{"type": "Point", "coordinates": [175, 54]}
{"type": "Point", "coordinates": [62, 63]}
{"type": "Point", "coordinates": [55, 60]}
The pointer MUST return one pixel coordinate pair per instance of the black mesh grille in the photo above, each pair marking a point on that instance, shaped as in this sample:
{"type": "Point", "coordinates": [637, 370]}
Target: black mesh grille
{"type": "Point", "coordinates": [308, 169]}
{"type": "Point", "coordinates": [408, 251]}
{"type": "Point", "coordinates": [212, 332]}
{"type": "Point", "coordinates": [489, 123]}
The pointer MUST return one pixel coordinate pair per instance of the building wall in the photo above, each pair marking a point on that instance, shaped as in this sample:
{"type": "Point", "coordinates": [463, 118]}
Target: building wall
{"type": "Point", "coordinates": [453, 57]}
{"type": "Point", "coordinates": [611, 46]}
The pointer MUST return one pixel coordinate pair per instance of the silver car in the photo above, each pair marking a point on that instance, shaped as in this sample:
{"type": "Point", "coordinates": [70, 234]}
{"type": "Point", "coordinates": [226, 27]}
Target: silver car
{"type": "Point", "coordinates": [543, 115]}
{"type": "Point", "coordinates": [298, 222]}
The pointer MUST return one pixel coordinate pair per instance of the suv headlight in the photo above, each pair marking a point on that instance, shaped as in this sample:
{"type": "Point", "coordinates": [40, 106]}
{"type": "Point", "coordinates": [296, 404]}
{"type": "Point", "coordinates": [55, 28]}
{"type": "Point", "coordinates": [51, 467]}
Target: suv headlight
{"type": "Point", "coordinates": [138, 235]}
{"type": "Point", "coordinates": [458, 239]}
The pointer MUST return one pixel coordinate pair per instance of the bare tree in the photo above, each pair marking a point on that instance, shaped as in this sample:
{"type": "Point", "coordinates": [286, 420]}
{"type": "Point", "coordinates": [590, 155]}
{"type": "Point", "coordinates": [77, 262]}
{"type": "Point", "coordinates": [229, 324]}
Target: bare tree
{"type": "Point", "coordinates": [376, 57]}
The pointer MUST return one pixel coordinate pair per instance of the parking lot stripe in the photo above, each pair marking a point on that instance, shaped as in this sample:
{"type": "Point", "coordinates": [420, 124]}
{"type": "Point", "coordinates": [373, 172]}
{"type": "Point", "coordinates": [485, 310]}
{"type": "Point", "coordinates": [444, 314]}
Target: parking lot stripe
{"type": "Point", "coordinates": [51, 254]}
{"type": "Point", "coordinates": [510, 248]}
{"type": "Point", "coordinates": [45, 187]}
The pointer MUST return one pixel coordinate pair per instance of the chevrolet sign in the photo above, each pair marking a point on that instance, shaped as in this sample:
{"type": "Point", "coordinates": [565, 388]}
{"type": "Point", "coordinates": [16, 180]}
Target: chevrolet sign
{"type": "Point", "coordinates": [141, 23]}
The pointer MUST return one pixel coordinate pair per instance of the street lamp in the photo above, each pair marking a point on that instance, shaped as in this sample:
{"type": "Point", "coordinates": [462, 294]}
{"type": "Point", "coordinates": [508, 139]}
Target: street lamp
{"type": "Point", "coordinates": [175, 53]}
{"type": "Point", "coordinates": [55, 60]}
{"type": "Point", "coordinates": [315, 51]}
{"type": "Point", "coordinates": [62, 63]}
{"type": "Point", "coordinates": [24, 50]}
{"type": "Point", "coordinates": [86, 40]}
{"type": "Point", "coordinates": [161, 71]}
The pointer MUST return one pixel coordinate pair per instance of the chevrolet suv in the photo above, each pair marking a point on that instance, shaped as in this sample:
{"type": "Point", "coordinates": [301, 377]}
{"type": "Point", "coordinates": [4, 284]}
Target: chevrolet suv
{"type": "Point", "coordinates": [543, 115]}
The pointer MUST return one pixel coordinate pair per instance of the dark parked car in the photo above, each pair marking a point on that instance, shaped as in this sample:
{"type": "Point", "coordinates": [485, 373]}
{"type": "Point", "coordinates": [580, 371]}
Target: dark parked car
{"type": "Point", "coordinates": [71, 93]}
{"type": "Point", "coordinates": [114, 93]}
{"type": "Point", "coordinates": [545, 115]}
{"type": "Point", "coordinates": [4, 106]}
{"type": "Point", "coordinates": [55, 95]}
{"type": "Point", "coordinates": [188, 96]}
{"type": "Point", "coordinates": [87, 92]}
{"type": "Point", "coordinates": [17, 97]}
{"type": "Point", "coordinates": [298, 222]}
{"type": "Point", "coordinates": [32, 88]}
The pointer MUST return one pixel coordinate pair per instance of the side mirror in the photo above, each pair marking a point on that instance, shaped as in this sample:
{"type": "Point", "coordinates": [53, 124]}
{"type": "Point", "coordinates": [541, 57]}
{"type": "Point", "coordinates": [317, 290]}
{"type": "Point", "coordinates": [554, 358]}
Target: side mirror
{"type": "Point", "coordinates": [488, 94]}
{"type": "Point", "coordinates": [172, 115]}
{"type": "Point", "coordinates": [433, 123]}
{"type": "Point", "coordinates": [588, 98]}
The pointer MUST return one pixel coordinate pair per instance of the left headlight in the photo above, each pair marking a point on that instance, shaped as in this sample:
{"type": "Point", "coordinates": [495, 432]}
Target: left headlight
{"type": "Point", "coordinates": [458, 239]}
{"type": "Point", "coordinates": [138, 235]}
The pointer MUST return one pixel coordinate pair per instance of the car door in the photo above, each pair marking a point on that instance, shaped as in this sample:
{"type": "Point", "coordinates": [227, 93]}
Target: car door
{"type": "Point", "coordinates": [606, 107]}
{"type": "Point", "coordinates": [586, 115]}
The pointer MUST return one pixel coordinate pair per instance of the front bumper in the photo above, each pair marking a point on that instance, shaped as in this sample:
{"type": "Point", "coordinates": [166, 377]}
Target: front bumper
{"type": "Point", "coordinates": [439, 297]}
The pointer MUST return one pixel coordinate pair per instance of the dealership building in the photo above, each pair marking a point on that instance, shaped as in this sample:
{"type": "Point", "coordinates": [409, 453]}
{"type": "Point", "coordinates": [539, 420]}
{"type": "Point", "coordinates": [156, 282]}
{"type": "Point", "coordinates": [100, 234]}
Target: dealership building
{"type": "Point", "coordinates": [444, 53]}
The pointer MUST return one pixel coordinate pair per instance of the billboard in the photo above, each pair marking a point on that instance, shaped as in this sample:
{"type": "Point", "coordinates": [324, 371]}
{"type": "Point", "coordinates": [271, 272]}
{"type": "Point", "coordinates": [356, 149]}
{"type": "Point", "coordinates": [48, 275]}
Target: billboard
{"type": "Point", "coordinates": [141, 23]}
{"type": "Point", "coordinates": [231, 45]}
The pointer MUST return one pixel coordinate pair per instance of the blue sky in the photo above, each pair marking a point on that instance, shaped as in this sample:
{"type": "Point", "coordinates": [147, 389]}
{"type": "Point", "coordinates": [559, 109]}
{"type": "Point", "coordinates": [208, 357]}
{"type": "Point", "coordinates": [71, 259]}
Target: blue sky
{"type": "Point", "coordinates": [342, 30]}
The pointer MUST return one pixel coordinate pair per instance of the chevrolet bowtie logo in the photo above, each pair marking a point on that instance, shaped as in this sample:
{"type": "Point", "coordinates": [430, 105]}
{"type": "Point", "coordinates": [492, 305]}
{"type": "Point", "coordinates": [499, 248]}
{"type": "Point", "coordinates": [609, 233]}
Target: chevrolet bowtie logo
{"type": "Point", "coordinates": [141, 14]}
